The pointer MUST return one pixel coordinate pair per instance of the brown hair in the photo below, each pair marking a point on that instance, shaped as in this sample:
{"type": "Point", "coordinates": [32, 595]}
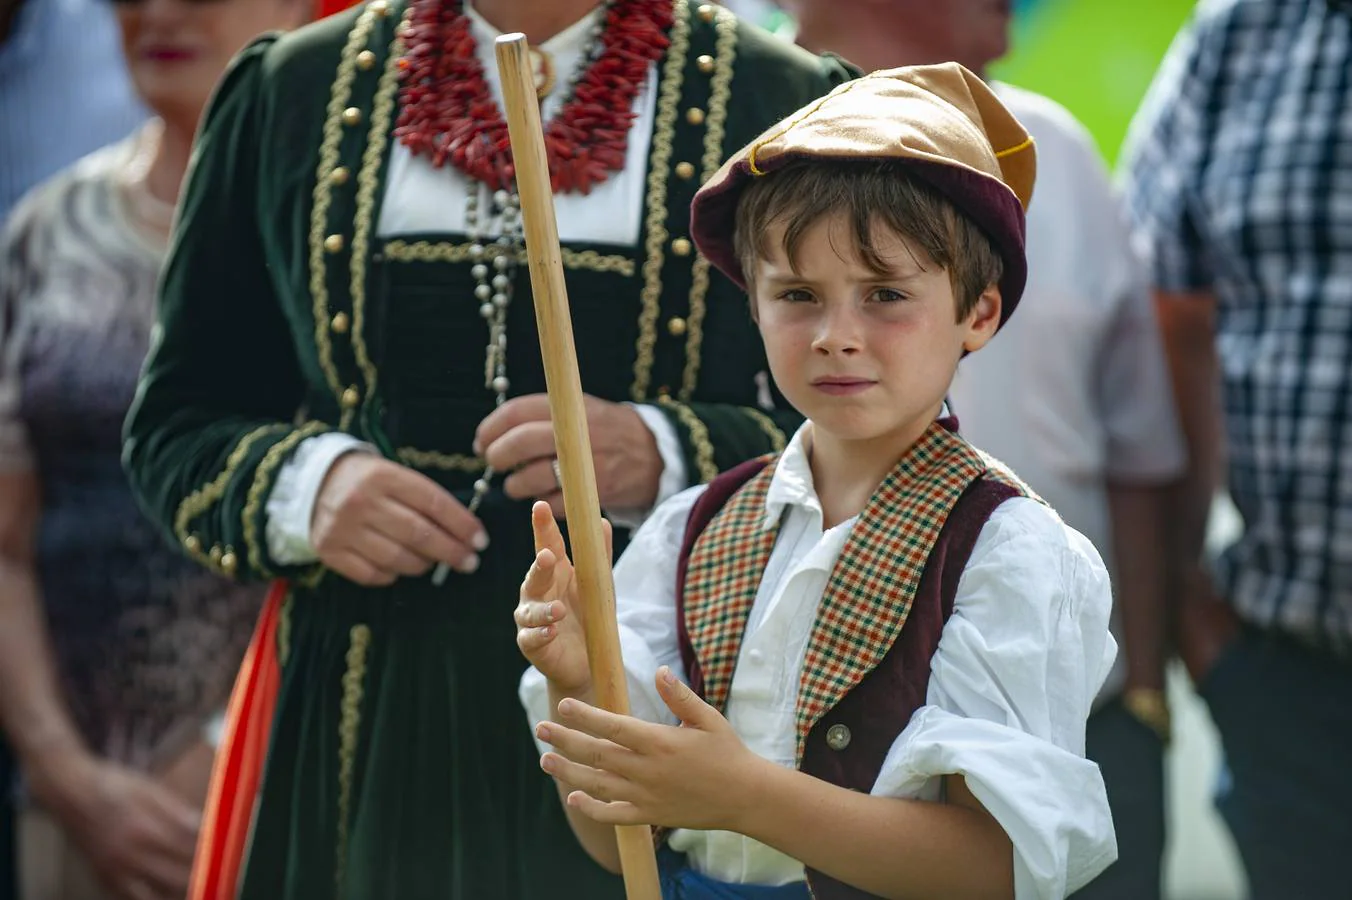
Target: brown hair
{"type": "Point", "coordinates": [802, 193]}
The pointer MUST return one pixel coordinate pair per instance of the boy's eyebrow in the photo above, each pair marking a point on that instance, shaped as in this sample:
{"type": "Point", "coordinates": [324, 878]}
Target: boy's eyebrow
{"type": "Point", "coordinates": [787, 276]}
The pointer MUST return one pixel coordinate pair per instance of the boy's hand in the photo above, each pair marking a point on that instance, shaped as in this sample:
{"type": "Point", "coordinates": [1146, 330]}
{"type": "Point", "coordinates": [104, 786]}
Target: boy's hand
{"type": "Point", "coordinates": [549, 621]}
{"type": "Point", "coordinates": [631, 772]}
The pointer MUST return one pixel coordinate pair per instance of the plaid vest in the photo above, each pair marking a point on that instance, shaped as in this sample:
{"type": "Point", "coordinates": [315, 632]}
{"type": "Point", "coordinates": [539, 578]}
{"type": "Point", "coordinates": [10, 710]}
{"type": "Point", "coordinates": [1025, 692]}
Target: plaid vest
{"type": "Point", "coordinates": [867, 664]}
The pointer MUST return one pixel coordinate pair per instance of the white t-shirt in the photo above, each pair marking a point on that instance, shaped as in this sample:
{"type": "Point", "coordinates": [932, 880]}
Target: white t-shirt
{"type": "Point", "coordinates": [1074, 390]}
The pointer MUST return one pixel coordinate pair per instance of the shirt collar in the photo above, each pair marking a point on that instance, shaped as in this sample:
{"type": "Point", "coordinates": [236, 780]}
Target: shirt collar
{"type": "Point", "coordinates": [574, 37]}
{"type": "Point", "coordinates": [791, 484]}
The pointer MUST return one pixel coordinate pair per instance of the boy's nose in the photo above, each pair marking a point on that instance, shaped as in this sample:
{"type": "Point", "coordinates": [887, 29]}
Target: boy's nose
{"type": "Point", "coordinates": [840, 331]}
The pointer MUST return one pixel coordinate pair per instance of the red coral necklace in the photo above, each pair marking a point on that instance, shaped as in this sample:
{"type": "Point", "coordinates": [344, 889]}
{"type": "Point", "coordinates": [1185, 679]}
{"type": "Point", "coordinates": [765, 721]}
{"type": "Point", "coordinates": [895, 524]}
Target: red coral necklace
{"type": "Point", "coordinates": [448, 114]}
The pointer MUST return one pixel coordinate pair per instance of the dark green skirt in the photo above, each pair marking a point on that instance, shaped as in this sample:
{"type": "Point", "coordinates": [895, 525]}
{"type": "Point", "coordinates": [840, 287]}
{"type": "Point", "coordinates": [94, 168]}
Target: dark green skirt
{"type": "Point", "coordinates": [401, 762]}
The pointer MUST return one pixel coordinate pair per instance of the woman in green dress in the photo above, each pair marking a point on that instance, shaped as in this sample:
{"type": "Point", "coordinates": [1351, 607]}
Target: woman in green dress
{"type": "Point", "coordinates": [346, 392]}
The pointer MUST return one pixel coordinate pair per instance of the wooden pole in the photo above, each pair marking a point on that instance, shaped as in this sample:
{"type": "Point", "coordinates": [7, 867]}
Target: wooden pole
{"type": "Point", "coordinates": [596, 589]}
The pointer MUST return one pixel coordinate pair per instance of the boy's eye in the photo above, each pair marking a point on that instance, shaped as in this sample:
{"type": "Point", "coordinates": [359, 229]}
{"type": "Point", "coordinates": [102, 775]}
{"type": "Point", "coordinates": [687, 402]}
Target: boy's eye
{"type": "Point", "coordinates": [887, 295]}
{"type": "Point", "coordinates": [796, 296]}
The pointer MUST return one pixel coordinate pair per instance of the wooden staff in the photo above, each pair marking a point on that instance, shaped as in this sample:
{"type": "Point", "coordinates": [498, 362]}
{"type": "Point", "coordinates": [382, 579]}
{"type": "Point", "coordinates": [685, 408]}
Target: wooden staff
{"type": "Point", "coordinates": [596, 590]}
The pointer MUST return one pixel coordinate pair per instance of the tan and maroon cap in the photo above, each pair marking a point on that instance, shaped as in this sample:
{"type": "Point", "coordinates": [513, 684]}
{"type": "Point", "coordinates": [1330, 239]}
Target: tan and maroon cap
{"type": "Point", "coordinates": [941, 121]}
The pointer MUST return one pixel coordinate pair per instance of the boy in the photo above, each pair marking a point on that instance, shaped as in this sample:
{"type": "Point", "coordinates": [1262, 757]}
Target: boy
{"type": "Point", "coordinates": [880, 649]}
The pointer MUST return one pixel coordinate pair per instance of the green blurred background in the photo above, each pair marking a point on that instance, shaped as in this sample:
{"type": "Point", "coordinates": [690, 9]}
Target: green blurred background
{"type": "Point", "coordinates": [1095, 57]}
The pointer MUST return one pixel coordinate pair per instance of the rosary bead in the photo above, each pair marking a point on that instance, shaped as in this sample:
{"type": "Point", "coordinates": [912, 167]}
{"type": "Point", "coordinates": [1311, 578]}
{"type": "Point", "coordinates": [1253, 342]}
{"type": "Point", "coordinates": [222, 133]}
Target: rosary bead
{"type": "Point", "coordinates": [501, 384]}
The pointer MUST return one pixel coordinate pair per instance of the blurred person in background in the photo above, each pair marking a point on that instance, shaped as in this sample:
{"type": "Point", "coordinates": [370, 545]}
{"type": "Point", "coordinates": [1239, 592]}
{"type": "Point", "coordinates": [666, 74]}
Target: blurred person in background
{"type": "Point", "coordinates": [1240, 187]}
{"type": "Point", "coordinates": [65, 92]}
{"type": "Point", "coordinates": [1074, 396]}
{"type": "Point", "coordinates": [64, 88]}
{"type": "Point", "coordinates": [116, 653]}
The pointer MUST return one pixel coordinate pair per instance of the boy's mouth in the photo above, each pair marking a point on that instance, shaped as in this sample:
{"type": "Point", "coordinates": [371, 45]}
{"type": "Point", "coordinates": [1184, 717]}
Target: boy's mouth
{"type": "Point", "coordinates": [840, 385]}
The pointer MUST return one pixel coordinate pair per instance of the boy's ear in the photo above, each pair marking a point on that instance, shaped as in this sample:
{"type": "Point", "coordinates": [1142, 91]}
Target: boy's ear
{"type": "Point", "coordinates": [984, 319]}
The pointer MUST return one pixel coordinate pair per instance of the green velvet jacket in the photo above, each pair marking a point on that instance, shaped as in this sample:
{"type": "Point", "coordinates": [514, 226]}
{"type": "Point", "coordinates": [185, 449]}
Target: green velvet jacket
{"type": "Point", "coordinates": [283, 314]}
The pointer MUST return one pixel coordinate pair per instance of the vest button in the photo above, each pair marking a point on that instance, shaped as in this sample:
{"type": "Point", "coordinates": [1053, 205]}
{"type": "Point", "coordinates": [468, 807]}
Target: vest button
{"type": "Point", "coordinates": [838, 737]}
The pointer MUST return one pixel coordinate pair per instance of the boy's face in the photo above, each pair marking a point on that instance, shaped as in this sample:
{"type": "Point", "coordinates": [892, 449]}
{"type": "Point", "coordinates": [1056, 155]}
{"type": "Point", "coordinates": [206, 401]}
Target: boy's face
{"type": "Point", "coordinates": [864, 356]}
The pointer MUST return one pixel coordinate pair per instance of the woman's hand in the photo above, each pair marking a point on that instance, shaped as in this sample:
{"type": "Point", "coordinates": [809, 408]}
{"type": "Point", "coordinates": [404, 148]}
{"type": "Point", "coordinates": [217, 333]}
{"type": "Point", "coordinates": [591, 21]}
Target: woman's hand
{"type": "Point", "coordinates": [518, 437]}
{"type": "Point", "coordinates": [375, 520]}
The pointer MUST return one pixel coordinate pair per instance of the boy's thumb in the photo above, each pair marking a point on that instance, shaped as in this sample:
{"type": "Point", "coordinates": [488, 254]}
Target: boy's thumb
{"type": "Point", "coordinates": [682, 701]}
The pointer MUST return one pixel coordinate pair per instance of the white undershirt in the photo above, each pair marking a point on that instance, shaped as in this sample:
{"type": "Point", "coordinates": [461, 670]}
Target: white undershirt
{"type": "Point", "coordinates": [1010, 689]}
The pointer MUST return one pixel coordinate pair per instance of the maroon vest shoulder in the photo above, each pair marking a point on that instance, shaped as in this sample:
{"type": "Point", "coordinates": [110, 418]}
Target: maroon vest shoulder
{"type": "Point", "coordinates": [848, 746]}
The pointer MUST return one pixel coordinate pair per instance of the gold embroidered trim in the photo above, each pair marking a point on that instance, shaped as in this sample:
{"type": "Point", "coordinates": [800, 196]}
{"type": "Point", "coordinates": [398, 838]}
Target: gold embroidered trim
{"type": "Point", "coordinates": [323, 197]}
{"type": "Point", "coordinates": [368, 179]}
{"type": "Point", "coordinates": [720, 92]}
{"type": "Point", "coordinates": [431, 459]}
{"type": "Point", "coordinates": [699, 436]}
{"type": "Point", "coordinates": [446, 252]}
{"type": "Point", "coordinates": [202, 499]}
{"type": "Point", "coordinates": [284, 631]}
{"type": "Point", "coordinates": [349, 732]}
{"type": "Point", "coordinates": [767, 425]}
{"type": "Point", "coordinates": [664, 129]}
{"type": "Point", "coordinates": [258, 490]}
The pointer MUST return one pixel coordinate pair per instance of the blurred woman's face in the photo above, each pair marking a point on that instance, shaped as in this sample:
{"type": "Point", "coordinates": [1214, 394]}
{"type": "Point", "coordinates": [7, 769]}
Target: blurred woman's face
{"type": "Point", "coordinates": [177, 49]}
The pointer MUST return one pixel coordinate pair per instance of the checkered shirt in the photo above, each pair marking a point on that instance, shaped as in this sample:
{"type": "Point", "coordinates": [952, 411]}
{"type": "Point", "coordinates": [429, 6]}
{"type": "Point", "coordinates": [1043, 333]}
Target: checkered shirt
{"type": "Point", "coordinates": [1239, 182]}
{"type": "Point", "coordinates": [872, 586]}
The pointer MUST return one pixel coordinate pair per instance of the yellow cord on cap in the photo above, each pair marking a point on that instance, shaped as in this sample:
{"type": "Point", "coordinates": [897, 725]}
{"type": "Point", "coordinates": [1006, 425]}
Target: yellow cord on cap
{"type": "Point", "coordinates": [1001, 154]}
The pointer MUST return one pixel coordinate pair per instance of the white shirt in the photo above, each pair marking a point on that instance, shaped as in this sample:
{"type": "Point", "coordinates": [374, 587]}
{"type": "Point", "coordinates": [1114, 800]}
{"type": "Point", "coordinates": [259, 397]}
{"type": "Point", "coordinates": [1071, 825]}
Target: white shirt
{"type": "Point", "coordinates": [1074, 390]}
{"type": "Point", "coordinates": [1011, 682]}
{"type": "Point", "coordinates": [422, 199]}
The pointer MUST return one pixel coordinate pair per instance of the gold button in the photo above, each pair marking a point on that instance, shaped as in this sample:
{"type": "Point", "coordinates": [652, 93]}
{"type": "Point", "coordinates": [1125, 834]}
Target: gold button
{"type": "Point", "coordinates": [694, 115]}
{"type": "Point", "coordinates": [366, 60]}
{"type": "Point", "coordinates": [706, 64]}
{"type": "Point", "coordinates": [193, 543]}
{"type": "Point", "coordinates": [708, 12]}
{"type": "Point", "coordinates": [339, 323]}
{"type": "Point", "coordinates": [350, 398]}
{"type": "Point", "coordinates": [351, 116]}
{"type": "Point", "coordinates": [664, 393]}
{"type": "Point", "coordinates": [339, 175]}
{"type": "Point", "coordinates": [229, 563]}
{"type": "Point", "coordinates": [676, 326]}
{"type": "Point", "coordinates": [838, 737]}
{"type": "Point", "coordinates": [380, 8]}
{"type": "Point", "coordinates": [681, 247]}
{"type": "Point", "coordinates": [334, 243]}
{"type": "Point", "coordinates": [215, 555]}
{"type": "Point", "coordinates": [685, 170]}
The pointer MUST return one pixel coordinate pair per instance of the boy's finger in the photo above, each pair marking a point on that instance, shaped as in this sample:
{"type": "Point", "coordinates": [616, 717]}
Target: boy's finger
{"type": "Point", "coordinates": [585, 750]}
{"type": "Point", "coordinates": [619, 813]}
{"type": "Point", "coordinates": [609, 532]}
{"type": "Point", "coordinates": [538, 615]}
{"type": "Point", "coordinates": [540, 575]}
{"type": "Point", "coordinates": [626, 731]}
{"type": "Point", "coordinates": [533, 639]}
{"type": "Point", "coordinates": [684, 702]}
{"type": "Point", "coordinates": [600, 784]}
{"type": "Point", "coordinates": [547, 534]}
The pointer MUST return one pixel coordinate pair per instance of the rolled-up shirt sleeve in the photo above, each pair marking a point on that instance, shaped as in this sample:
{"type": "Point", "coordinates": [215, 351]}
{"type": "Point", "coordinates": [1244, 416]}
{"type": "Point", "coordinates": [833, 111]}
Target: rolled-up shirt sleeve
{"type": "Point", "coordinates": [1011, 686]}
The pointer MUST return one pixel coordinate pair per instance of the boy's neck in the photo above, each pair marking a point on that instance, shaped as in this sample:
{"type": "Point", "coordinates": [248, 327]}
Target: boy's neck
{"type": "Point", "coordinates": [847, 473]}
